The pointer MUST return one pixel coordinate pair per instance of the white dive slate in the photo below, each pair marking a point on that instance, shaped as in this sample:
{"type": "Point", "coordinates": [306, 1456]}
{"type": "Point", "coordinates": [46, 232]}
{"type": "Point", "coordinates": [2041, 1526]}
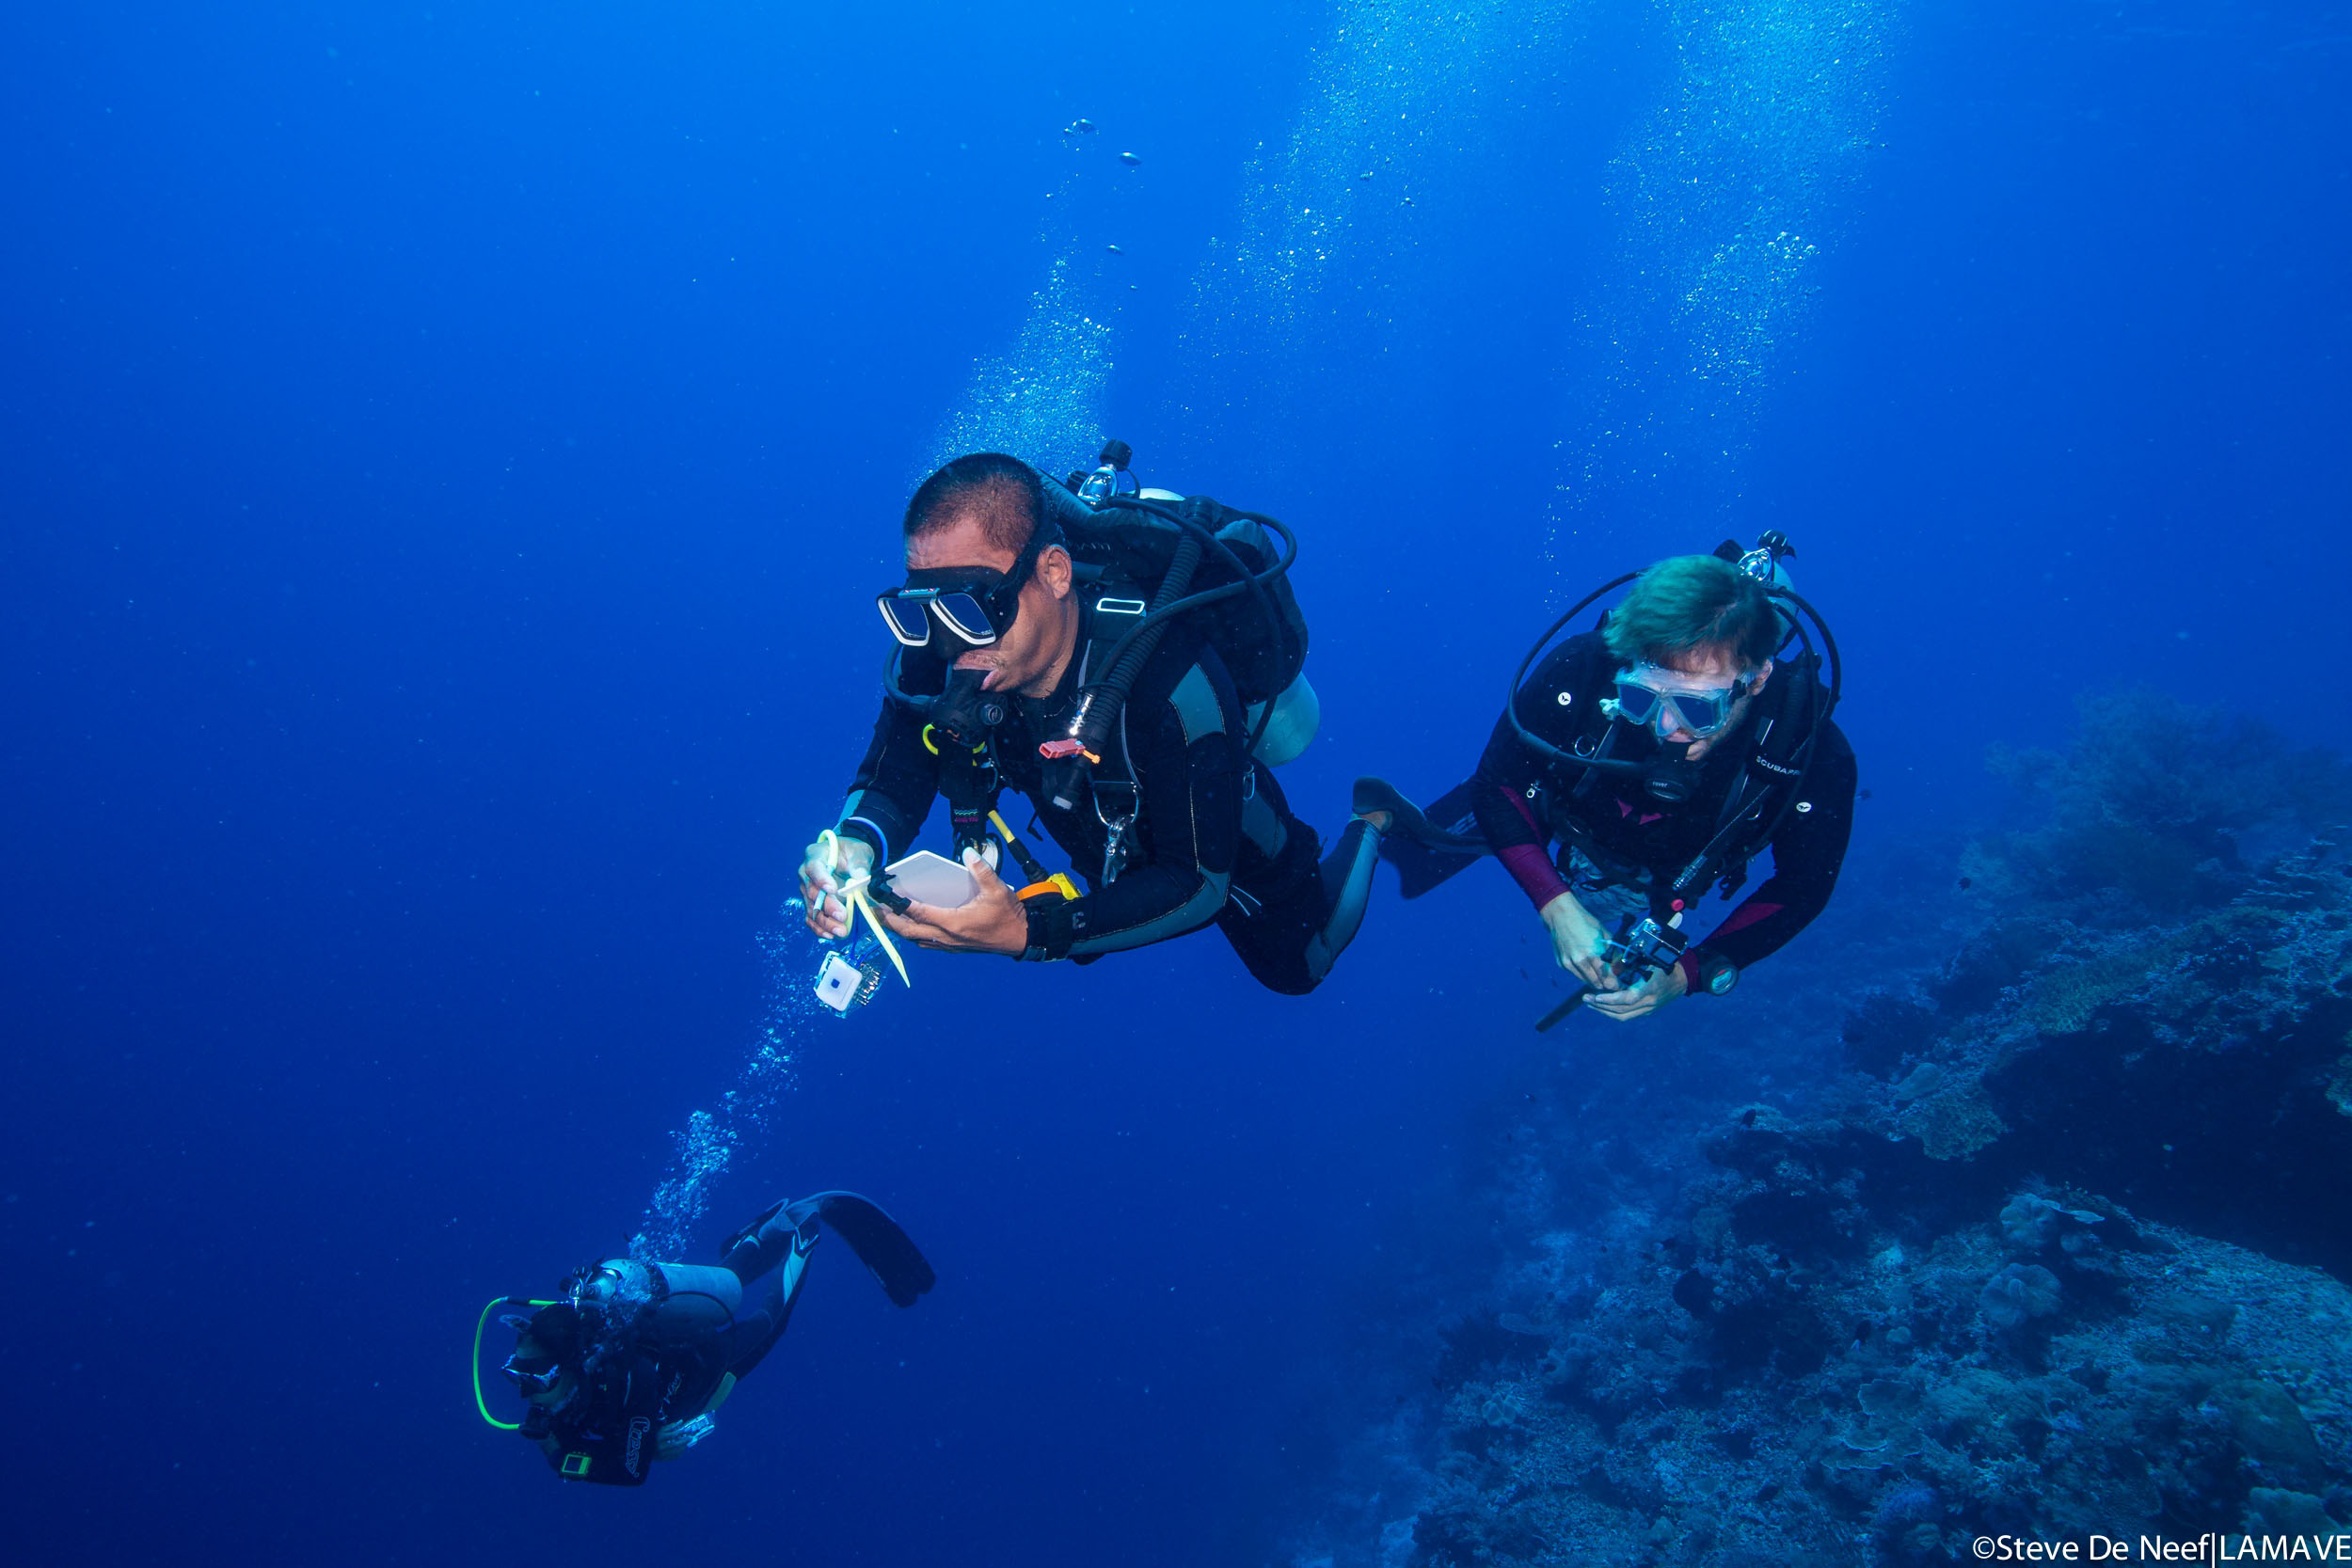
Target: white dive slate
{"type": "Point", "coordinates": [932, 879]}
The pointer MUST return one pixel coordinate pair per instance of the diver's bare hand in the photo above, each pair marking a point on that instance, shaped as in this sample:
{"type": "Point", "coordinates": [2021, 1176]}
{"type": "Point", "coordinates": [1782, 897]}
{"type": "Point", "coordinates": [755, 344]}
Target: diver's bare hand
{"type": "Point", "coordinates": [1659, 988]}
{"type": "Point", "coordinates": [993, 922]}
{"type": "Point", "coordinates": [822, 875]}
{"type": "Point", "coordinates": [1579, 943]}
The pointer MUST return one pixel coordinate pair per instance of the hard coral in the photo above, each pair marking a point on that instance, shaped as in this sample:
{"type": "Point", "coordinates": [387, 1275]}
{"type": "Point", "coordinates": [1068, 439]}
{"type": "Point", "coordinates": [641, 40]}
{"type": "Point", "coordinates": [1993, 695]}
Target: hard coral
{"type": "Point", "coordinates": [2017, 1295]}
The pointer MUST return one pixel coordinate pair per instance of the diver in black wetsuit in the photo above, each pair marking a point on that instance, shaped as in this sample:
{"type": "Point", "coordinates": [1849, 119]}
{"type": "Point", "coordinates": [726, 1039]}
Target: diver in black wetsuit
{"type": "Point", "coordinates": [1177, 828]}
{"type": "Point", "coordinates": [629, 1365]}
{"type": "Point", "coordinates": [1661, 752]}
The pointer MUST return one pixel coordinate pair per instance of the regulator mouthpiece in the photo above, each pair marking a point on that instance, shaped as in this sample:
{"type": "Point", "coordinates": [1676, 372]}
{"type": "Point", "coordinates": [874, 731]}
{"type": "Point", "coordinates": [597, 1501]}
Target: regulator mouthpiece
{"type": "Point", "coordinates": [1672, 777]}
{"type": "Point", "coordinates": [965, 712]}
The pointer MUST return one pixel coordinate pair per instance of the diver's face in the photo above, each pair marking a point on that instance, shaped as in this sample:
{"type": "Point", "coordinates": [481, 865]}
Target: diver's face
{"type": "Point", "coordinates": [1713, 668]}
{"type": "Point", "coordinates": [1033, 651]}
{"type": "Point", "coordinates": [554, 1394]}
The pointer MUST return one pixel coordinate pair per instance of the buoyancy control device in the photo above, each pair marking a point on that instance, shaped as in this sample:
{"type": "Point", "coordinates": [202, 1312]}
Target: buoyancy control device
{"type": "Point", "coordinates": [1143, 559]}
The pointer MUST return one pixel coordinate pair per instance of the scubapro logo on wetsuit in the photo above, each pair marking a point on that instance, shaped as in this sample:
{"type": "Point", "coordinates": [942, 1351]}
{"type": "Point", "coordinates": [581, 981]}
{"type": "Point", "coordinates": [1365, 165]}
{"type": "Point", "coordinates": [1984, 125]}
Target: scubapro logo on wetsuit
{"type": "Point", "coordinates": [638, 1426]}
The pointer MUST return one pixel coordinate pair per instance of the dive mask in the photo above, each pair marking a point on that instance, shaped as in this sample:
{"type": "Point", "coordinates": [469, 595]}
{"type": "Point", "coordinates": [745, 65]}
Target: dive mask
{"type": "Point", "coordinates": [532, 1375]}
{"type": "Point", "coordinates": [977, 604]}
{"type": "Point", "coordinates": [1668, 701]}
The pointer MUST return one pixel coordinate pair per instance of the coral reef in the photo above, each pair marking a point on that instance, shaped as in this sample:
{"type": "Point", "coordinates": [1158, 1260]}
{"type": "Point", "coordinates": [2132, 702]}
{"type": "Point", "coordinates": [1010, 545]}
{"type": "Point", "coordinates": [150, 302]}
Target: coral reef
{"type": "Point", "coordinates": [1748, 1389]}
{"type": "Point", "coordinates": [2059, 1249]}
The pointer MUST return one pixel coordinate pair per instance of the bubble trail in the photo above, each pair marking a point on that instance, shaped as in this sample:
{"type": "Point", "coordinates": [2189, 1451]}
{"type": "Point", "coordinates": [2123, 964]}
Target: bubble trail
{"type": "Point", "coordinates": [706, 1147]}
{"type": "Point", "coordinates": [1042, 400]}
{"type": "Point", "coordinates": [1728, 198]}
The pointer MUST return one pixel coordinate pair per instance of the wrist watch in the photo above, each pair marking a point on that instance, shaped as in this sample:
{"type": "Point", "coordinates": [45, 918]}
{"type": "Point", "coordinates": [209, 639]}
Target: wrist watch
{"type": "Point", "coordinates": [1711, 972]}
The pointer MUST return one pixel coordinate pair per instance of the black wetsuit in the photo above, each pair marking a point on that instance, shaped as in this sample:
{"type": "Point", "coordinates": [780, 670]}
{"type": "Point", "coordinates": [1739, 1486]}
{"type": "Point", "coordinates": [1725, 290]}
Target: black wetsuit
{"type": "Point", "coordinates": [1522, 804]}
{"type": "Point", "coordinates": [672, 1367]}
{"type": "Point", "coordinates": [1215, 840]}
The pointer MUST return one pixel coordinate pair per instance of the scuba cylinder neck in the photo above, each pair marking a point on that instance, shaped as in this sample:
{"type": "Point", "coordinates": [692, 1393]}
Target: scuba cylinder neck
{"type": "Point", "coordinates": [1763, 561]}
{"type": "Point", "coordinates": [1110, 477]}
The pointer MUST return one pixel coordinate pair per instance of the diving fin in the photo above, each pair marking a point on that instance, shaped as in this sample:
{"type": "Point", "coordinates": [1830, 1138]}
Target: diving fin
{"type": "Point", "coordinates": [887, 1251]}
{"type": "Point", "coordinates": [1448, 841]}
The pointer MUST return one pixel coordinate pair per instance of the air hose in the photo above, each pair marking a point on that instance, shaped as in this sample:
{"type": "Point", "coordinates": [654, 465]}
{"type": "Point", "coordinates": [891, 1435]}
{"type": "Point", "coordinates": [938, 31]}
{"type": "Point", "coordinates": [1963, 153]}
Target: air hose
{"type": "Point", "coordinates": [480, 1323]}
{"type": "Point", "coordinates": [1103, 700]}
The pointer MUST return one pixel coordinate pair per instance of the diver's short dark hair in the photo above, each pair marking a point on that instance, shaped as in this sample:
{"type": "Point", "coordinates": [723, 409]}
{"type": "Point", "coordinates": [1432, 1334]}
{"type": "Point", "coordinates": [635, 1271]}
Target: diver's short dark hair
{"type": "Point", "coordinates": [1689, 602]}
{"type": "Point", "coordinates": [1004, 493]}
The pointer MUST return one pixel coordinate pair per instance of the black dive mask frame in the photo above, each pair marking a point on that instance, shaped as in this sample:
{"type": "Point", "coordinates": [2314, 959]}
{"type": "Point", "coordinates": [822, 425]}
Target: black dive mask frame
{"type": "Point", "coordinates": [932, 595]}
{"type": "Point", "coordinates": [533, 1375]}
{"type": "Point", "coordinates": [1669, 775]}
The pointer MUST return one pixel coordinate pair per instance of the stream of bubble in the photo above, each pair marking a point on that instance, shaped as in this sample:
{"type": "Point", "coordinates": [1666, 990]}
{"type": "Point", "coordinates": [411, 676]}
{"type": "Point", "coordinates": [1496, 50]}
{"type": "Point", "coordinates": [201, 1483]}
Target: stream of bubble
{"type": "Point", "coordinates": [706, 1144]}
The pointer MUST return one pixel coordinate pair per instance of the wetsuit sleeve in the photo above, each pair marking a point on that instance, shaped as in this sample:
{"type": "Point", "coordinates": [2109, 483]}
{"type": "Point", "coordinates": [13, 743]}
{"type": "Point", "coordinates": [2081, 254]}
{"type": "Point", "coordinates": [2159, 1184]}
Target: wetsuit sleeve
{"type": "Point", "coordinates": [893, 787]}
{"type": "Point", "coordinates": [1188, 768]}
{"type": "Point", "coordinates": [1807, 853]}
{"type": "Point", "coordinates": [1509, 773]}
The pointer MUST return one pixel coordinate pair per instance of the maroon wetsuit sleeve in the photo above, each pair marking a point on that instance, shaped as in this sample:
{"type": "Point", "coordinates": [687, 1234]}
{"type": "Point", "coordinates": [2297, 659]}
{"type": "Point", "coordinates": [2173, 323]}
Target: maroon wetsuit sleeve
{"type": "Point", "coordinates": [1509, 773]}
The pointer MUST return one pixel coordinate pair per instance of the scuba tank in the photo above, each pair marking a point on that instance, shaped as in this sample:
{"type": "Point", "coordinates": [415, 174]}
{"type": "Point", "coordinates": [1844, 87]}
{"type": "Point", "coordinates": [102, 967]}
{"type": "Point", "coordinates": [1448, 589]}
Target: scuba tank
{"type": "Point", "coordinates": [1144, 558]}
{"type": "Point", "coordinates": [669, 1300]}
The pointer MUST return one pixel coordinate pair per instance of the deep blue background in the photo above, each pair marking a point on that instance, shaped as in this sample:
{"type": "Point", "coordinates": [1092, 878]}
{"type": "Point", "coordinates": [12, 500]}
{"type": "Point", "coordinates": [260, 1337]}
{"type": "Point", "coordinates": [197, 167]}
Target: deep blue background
{"type": "Point", "coordinates": [444, 457]}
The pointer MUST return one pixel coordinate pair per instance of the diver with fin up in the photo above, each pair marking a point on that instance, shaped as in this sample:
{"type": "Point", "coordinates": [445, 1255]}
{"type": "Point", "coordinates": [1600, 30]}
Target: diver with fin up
{"type": "Point", "coordinates": [1130, 661]}
{"type": "Point", "coordinates": [629, 1362]}
{"type": "Point", "coordinates": [1662, 751]}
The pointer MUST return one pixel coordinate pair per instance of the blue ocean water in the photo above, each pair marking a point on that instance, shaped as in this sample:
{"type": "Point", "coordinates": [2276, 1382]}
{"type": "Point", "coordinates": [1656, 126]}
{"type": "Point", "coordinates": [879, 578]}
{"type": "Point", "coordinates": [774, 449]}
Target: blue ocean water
{"type": "Point", "coordinates": [445, 456]}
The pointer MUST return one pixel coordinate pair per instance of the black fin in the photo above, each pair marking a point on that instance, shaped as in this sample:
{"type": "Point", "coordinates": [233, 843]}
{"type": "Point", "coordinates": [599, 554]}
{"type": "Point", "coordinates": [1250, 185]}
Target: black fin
{"type": "Point", "coordinates": [1453, 824]}
{"type": "Point", "coordinates": [885, 1250]}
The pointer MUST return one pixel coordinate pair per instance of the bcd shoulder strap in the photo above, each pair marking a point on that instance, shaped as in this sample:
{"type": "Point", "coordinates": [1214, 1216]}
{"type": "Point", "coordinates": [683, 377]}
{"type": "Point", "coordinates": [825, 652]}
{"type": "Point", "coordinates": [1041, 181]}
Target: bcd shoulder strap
{"type": "Point", "coordinates": [1776, 767]}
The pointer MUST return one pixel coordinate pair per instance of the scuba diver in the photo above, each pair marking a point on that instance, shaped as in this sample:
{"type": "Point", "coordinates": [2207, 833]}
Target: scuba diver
{"type": "Point", "coordinates": [629, 1363]}
{"type": "Point", "coordinates": [1661, 752]}
{"type": "Point", "coordinates": [1130, 661]}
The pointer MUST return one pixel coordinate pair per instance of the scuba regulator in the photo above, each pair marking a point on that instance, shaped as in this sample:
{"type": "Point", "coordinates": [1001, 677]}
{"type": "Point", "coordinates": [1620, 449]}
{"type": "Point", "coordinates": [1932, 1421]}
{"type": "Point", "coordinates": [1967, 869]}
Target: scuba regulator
{"type": "Point", "coordinates": [964, 713]}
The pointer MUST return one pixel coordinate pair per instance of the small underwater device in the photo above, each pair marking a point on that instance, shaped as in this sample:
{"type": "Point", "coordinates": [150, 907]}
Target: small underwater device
{"type": "Point", "coordinates": [1643, 945]}
{"type": "Point", "coordinates": [850, 977]}
{"type": "Point", "coordinates": [1640, 947]}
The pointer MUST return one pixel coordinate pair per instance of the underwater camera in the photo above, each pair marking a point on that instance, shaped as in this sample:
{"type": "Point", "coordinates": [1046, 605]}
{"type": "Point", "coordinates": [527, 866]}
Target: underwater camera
{"type": "Point", "coordinates": [1640, 947]}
